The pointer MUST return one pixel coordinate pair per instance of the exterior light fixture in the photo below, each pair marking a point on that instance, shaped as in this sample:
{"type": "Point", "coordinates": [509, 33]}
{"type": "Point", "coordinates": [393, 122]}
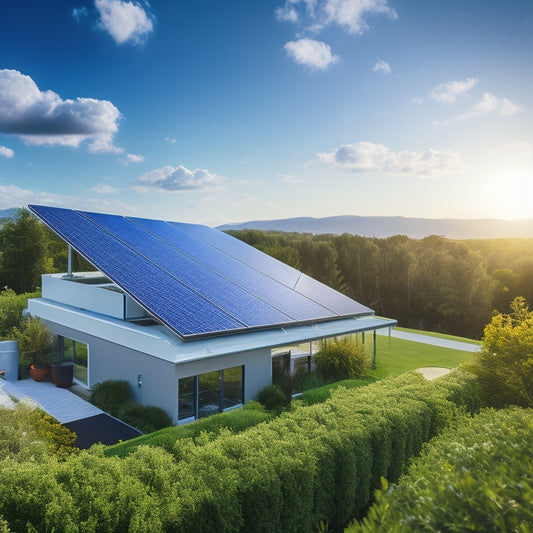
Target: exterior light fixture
{"type": "Point", "coordinates": [139, 380]}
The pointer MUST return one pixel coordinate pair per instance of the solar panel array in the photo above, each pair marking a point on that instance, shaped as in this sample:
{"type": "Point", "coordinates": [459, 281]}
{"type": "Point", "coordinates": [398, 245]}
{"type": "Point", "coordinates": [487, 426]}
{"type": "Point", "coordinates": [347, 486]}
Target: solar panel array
{"type": "Point", "coordinates": [195, 279]}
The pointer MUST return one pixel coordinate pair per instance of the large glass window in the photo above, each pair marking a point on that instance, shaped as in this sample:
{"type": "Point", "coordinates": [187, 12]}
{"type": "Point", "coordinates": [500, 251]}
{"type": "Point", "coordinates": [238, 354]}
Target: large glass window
{"type": "Point", "coordinates": [77, 353]}
{"type": "Point", "coordinates": [210, 393]}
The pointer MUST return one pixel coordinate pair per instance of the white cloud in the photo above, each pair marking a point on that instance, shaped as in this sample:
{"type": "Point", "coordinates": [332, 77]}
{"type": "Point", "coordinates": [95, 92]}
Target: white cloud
{"type": "Point", "coordinates": [133, 158]}
{"type": "Point", "coordinates": [42, 117]}
{"type": "Point", "coordinates": [382, 66]}
{"type": "Point", "coordinates": [179, 179]}
{"type": "Point", "coordinates": [102, 188]}
{"type": "Point", "coordinates": [447, 93]}
{"type": "Point", "coordinates": [489, 103]}
{"type": "Point", "coordinates": [313, 54]}
{"type": "Point", "coordinates": [6, 152]}
{"type": "Point", "coordinates": [370, 157]}
{"type": "Point", "coordinates": [125, 21]}
{"type": "Point", "coordinates": [13, 196]}
{"type": "Point", "coordinates": [350, 14]}
{"type": "Point", "coordinates": [171, 140]}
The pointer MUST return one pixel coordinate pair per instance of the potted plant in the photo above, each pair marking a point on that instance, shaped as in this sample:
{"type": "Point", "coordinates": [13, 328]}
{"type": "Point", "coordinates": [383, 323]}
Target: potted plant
{"type": "Point", "coordinates": [35, 343]}
{"type": "Point", "coordinates": [62, 374]}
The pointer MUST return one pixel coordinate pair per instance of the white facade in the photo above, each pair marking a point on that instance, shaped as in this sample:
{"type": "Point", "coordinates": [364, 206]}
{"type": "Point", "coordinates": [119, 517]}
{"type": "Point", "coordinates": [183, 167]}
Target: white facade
{"type": "Point", "coordinates": [122, 342]}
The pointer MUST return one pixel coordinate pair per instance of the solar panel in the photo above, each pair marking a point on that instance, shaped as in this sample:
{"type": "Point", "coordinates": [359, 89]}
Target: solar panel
{"type": "Point", "coordinates": [197, 280]}
{"type": "Point", "coordinates": [269, 290]}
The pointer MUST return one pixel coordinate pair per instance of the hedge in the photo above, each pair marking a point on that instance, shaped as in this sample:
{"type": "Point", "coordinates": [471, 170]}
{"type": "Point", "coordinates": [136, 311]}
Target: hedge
{"type": "Point", "coordinates": [312, 464]}
{"type": "Point", "coordinates": [478, 476]}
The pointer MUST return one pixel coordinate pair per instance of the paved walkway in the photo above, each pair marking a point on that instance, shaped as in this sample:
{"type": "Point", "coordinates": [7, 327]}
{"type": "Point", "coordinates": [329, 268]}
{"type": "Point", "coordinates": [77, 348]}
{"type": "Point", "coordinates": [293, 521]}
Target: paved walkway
{"type": "Point", "coordinates": [428, 339]}
{"type": "Point", "coordinates": [62, 404]}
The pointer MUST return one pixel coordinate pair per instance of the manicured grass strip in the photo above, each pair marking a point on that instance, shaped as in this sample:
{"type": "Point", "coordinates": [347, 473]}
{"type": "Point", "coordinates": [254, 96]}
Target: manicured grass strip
{"type": "Point", "coordinates": [321, 394]}
{"type": "Point", "coordinates": [440, 336]}
{"type": "Point", "coordinates": [396, 356]}
{"type": "Point", "coordinates": [236, 420]}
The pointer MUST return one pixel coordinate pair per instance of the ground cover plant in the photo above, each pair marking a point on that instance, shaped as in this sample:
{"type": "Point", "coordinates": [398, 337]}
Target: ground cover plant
{"type": "Point", "coordinates": [477, 476]}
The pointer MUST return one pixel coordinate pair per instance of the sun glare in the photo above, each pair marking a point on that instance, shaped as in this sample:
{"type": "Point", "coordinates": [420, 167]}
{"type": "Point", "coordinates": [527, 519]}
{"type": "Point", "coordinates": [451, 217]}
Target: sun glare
{"type": "Point", "coordinates": [510, 196]}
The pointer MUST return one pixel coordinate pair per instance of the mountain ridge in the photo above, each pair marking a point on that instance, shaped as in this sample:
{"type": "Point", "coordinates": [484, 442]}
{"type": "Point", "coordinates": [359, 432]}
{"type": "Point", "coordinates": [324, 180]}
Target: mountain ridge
{"type": "Point", "coordinates": [387, 226]}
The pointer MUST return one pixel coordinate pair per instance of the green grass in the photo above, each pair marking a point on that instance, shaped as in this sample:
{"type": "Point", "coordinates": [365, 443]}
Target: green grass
{"type": "Point", "coordinates": [440, 336]}
{"type": "Point", "coordinates": [396, 356]}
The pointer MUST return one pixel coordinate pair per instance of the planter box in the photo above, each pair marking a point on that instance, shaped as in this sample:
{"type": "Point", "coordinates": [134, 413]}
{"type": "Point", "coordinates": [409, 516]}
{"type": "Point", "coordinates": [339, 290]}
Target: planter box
{"type": "Point", "coordinates": [38, 373]}
{"type": "Point", "coordinates": [62, 374]}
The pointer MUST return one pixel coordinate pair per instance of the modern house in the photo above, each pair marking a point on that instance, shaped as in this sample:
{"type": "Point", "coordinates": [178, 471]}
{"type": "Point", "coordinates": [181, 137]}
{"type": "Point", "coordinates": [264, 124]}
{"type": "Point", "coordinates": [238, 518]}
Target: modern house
{"type": "Point", "coordinates": [195, 320]}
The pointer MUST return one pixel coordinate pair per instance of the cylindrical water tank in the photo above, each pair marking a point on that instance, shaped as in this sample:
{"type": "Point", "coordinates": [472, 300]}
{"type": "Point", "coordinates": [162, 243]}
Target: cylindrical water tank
{"type": "Point", "coordinates": [9, 360]}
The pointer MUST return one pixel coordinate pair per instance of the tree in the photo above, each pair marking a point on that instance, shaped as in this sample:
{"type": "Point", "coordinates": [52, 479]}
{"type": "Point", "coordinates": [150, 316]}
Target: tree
{"type": "Point", "coordinates": [505, 364]}
{"type": "Point", "coordinates": [23, 253]}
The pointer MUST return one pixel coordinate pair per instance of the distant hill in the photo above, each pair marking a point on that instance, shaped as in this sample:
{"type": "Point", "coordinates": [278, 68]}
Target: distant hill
{"type": "Point", "coordinates": [8, 213]}
{"type": "Point", "coordinates": [416, 228]}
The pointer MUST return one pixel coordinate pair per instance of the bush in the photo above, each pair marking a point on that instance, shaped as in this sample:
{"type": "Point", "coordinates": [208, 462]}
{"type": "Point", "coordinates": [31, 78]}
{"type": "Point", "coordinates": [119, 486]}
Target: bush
{"type": "Point", "coordinates": [474, 477]}
{"type": "Point", "coordinates": [146, 418]}
{"type": "Point", "coordinates": [110, 395]}
{"type": "Point", "coordinates": [11, 307]}
{"type": "Point", "coordinates": [505, 364]}
{"type": "Point", "coordinates": [273, 398]}
{"type": "Point", "coordinates": [342, 358]}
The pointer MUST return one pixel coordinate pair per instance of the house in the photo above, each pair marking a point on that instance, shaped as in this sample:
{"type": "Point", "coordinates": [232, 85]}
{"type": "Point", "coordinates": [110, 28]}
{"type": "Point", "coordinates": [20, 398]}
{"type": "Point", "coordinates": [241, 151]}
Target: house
{"type": "Point", "coordinates": [195, 320]}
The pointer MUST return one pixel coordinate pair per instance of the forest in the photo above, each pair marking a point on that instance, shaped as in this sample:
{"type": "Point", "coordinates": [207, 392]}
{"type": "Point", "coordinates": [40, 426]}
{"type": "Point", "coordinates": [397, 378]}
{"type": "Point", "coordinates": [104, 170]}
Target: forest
{"type": "Point", "coordinates": [433, 284]}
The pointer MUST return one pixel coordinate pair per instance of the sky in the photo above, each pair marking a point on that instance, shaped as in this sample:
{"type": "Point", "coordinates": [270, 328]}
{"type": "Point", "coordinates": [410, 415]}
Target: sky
{"type": "Point", "coordinates": [217, 112]}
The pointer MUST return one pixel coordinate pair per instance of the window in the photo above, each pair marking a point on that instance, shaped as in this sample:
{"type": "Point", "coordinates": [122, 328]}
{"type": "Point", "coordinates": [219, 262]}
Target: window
{"type": "Point", "coordinates": [77, 353]}
{"type": "Point", "coordinates": [210, 393]}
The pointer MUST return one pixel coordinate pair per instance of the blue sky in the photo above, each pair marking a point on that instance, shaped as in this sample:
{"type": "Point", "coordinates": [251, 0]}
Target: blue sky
{"type": "Point", "coordinates": [217, 112]}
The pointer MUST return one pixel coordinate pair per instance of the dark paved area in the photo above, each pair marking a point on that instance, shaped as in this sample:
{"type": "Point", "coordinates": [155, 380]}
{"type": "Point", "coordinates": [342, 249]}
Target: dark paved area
{"type": "Point", "coordinates": [100, 428]}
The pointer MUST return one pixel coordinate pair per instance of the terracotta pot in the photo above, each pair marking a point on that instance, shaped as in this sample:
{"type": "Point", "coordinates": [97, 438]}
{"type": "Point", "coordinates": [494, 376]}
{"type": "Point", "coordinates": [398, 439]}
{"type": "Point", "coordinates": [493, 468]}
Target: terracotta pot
{"type": "Point", "coordinates": [38, 374]}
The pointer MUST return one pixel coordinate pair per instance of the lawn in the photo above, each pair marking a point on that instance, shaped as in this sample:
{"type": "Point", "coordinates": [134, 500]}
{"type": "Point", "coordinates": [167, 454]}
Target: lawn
{"type": "Point", "coordinates": [440, 336]}
{"type": "Point", "coordinates": [395, 356]}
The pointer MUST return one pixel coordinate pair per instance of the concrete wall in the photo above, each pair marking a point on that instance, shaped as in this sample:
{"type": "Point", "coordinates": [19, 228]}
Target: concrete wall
{"type": "Point", "coordinates": [159, 387]}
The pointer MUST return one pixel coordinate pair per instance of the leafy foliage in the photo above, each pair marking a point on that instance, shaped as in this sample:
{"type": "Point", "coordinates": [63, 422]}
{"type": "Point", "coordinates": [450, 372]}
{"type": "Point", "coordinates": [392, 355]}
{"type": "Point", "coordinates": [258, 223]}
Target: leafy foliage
{"type": "Point", "coordinates": [505, 364]}
{"type": "Point", "coordinates": [273, 398]}
{"type": "Point", "coordinates": [35, 340]}
{"type": "Point", "coordinates": [477, 476]}
{"type": "Point", "coordinates": [28, 433]}
{"type": "Point", "coordinates": [341, 358]}
{"type": "Point", "coordinates": [11, 307]}
{"type": "Point", "coordinates": [114, 397]}
{"type": "Point", "coordinates": [312, 464]}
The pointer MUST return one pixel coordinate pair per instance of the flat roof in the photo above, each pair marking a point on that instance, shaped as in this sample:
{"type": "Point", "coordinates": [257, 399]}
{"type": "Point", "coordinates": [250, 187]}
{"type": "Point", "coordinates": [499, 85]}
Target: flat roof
{"type": "Point", "coordinates": [158, 341]}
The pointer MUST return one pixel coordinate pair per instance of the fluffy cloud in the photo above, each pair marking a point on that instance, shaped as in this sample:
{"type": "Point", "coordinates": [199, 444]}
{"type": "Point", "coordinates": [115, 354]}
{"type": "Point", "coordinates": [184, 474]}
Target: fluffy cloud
{"type": "Point", "coordinates": [313, 54]}
{"type": "Point", "coordinates": [382, 66]}
{"type": "Point", "coordinates": [125, 21]}
{"type": "Point", "coordinates": [370, 157]}
{"type": "Point", "coordinates": [42, 117]}
{"type": "Point", "coordinates": [6, 152]}
{"type": "Point", "coordinates": [447, 93]}
{"type": "Point", "coordinates": [179, 179]}
{"type": "Point", "coordinates": [350, 14]}
{"type": "Point", "coordinates": [489, 103]}
{"type": "Point", "coordinates": [133, 158]}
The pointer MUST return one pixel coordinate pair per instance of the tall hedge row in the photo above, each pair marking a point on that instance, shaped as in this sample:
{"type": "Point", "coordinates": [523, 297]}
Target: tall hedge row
{"type": "Point", "coordinates": [478, 476]}
{"type": "Point", "coordinates": [313, 464]}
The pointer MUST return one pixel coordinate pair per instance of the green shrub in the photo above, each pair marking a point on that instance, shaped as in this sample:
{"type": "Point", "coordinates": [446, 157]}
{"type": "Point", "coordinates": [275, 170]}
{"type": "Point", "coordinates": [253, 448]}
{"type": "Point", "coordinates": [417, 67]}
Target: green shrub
{"type": "Point", "coordinates": [146, 418]}
{"type": "Point", "coordinates": [474, 477]}
{"type": "Point", "coordinates": [236, 420]}
{"type": "Point", "coordinates": [110, 395]}
{"type": "Point", "coordinates": [11, 307]}
{"type": "Point", "coordinates": [343, 358]}
{"type": "Point", "coordinates": [505, 364]}
{"type": "Point", "coordinates": [273, 398]}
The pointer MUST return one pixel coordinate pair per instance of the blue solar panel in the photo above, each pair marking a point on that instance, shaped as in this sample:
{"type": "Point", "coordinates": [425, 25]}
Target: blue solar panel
{"type": "Point", "coordinates": [182, 309]}
{"type": "Point", "coordinates": [271, 291]}
{"type": "Point", "coordinates": [197, 280]}
{"type": "Point", "coordinates": [238, 303]}
{"type": "Point", "coordinates": [243, 252]}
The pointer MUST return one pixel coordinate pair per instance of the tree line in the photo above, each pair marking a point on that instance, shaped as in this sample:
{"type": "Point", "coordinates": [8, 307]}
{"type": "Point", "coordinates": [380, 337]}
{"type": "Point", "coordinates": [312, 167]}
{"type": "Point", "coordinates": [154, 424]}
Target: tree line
{"type": "Point", "coordinates": [434, 284]}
